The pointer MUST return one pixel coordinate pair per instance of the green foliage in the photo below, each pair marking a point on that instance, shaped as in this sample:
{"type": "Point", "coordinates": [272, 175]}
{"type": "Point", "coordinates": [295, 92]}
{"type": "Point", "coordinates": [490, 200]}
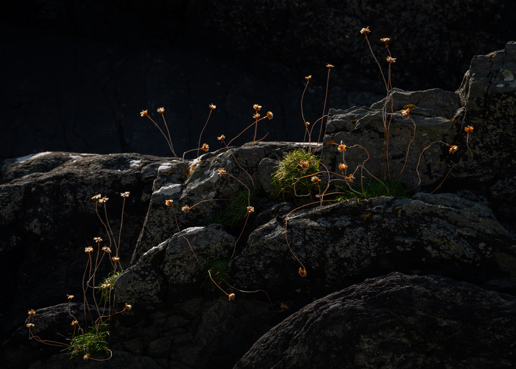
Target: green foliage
{"type": "Point", "coordinates": [219, 270]}
{"type": "Point", "coordinates": [289, 171]}
{"type": "Point", "coordinates": [109, 280]}
{"type": "Point", "coordinates": [92, 342]}
{"type": "Point", "coordinates": [372, 188]}
{"type": "Point", "coordinates": [235, 211]}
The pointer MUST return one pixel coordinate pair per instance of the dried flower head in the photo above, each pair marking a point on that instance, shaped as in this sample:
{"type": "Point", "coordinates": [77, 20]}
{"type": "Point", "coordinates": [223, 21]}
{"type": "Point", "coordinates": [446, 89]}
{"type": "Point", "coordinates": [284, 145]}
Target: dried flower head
{"type": "Point", "coordinates": [304, 164]}
{"type": "Point", "coordinates": [365, 31]}
{"type": "Point", "coordinates": [308, 78]}
{"type": "Point", "coordinates": [302, 272]}
{"type": "Point", "coordinates": [86, 357]}
{"type": "Point", "coordinates": [315, 179]}
{"type": "Point", "coordinates": [307, 124]}
{"type": "Point", "coordinates": [97, 239]}
{"type": "Point", "coordinates": [185, 209]}
{"type": "Point", "coordinates": [30, 325]}
{"type": "Point", "coordinates": [231, 296]}
{"type": "Point", "coordinates": [329, 66]}
{"type": "Point", "coordinates": [405, 112]}
{"type": "Point", "coordinates": [127, 306]}
{"type": "Point", "coordinates": [169, 202]}
{"type": "Point", "coordinates": [106, 249]}
{"type": "Point", "coordinates": [257, 107]}
{"type": "Point", "coordinates": [161, 110]}
{"type": "Point", "coordinates": [221, 138]}
{"type": "Point", "coordinates": [343, 166]}
{"type": "Point", "coordinates": [144, 113]}
{"type": "Point", "coordinates": [32, 312]}
{"type": "Point", "coordinates": [212, 107]}
{"type": "Point", "coordinates": [256, 116]}
{"type": "Point", "coordinates": [350, 178]}
{"type": "Point", "coordinates": [453, 149]}
{"type": "Point", "coordinates": [222, 171]}
{"type": "Point", "coordinates": [270, 115]}
{"type": "Point", "coordinates": [342, 147]}
{"type": "Point", "coordinates": [70, 297]}
{"type": "Point", "coordinates": [386, 39]}
{"type": "Point", "coordinates": [469, 130]}
{"type": "Point", "coordinates": [390, 59]}
{"type": "Point", "coordinates": [205, 147]}
{"type": "Point", "coordinates": [115, 259]}
{"type": "Point", "coordinates": [96, 197]}
{"type": "Point", "coordinates": [103, 200]}
{"type": "Point", "coordinates": [88, 249]}
{"type": "Point", "coordinates": [125, 194]}
{"type": "Point", "coordinates": [106, 286]}
{"type": "Point", "coordinates": [250, 209]}
{"type": "Point", "coordinates": [283, 307]}
{"type": "Point", "coordinates": [75, 322]}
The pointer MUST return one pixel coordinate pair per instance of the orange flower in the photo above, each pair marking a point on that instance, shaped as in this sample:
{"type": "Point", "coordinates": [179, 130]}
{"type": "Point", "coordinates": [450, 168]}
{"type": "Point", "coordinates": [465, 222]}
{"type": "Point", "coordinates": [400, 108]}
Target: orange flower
{"type": "Point", "coordinates": [125, 194]}
{"type": "Point", "coordinates": [386, 39]}
{"type": "Point", "coordinates": [30, 325]}
{"type": "Point", "coordinates": [329, 66]}
{"type": "Point", "coordinates": [343, 166]}
{"type": "Point", "coordinates": [212, 107]}
{"type": "Point", "coordinates": [391, 60]}
{"type": "Point", "coordinates": [70, 297]}
{"type": "Point", "coordinates": [185, 209]}
{"type": "Point", "coordinates": [469, 130]}
{"type": "Point", "coordinates": [231, 296]}
{"type": "Point", "coordinates": [169, 202]}
{"type": "Point", "coordinates": [32, 312]}
{"type": "Point", "coordinates": [308, 78]}
{"type": "Point", "coordinates": [302, 272]}
{"type": "Point", "coordinates": [365, 31]}
{"type": "Point", "coordinates": [161, 110]}
{"type": "Point", "coordinates": [250, 209]}
{"type": "Point", "coordinates": [315, 179]}
{"type": "Point", "coordinates": [270, 115]}
{"type": "Point", "coordinates": [97, 239]}
{"type": "Point", "coordinates": [453, 149]}
{"type": "Point", "coordinates": [405, 112]}
{"type": "Point", "coordinates": [127, 307]}
{"type": "Point", "coordinates": [304, 164]}
{"type": "Point", "coordinates": [115, 259]}
{"type": "Point", "coordinates": [96, 197]}
{"type": "Point", "coordinates": [222, 171]}
{"type": "Point", "coordinates": [144, 113]}
{"type": "Point", "coordinates": [342, 147]}
{"type": "Point", "coordinates": [88, 249]}
{"type": "Point", "coordinates": [205, 147]}
{"type": "Point", "coordinates": [221, 138]}
{"type": "Point", "coordinates": [256, 116]}
{"type": "Point", "coordinates": [257, 107]}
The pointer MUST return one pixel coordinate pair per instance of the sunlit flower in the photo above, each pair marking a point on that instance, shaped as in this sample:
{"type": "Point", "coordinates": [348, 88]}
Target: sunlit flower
{"type": "Point", "coordinates": [106, 249]}
{"type": "Point", "coordinates": [103, 200]}
{"type": "Point", "coordinates": [127, 306]}
{"type": "Point", "coordinates": [125, 194]}
{"type": "Point", "coordinates": [169, 202]}
{"type": "Point", "coordinates": [115, 259]}
{"type": "Point", "coordinates": [30, 325]}
{"type": "Point", "coordinates": [405, 112]}
{"type": "Point", "coordinates": [386, 39]}
{"type": "Point", "coordinates": [212, 107]}
{"type": "Point", "coordinates": [343, 166]}
{"type": "Point", "coordinates": [390, 59]}
{"type": "Point", "coordinates": [315, 179]}
{"type": "Point", "coordinates": [161, 110]}
{"type": "Point", "coordinates": [329, 66]}
{"type": "Point", "coordinates": [221, 138]}
{"type": "Point", "coordinates": [257, 107]}
{"type": "Point", "coordinates": [32, 312]}
{"type": "Point", "coordinates": [307, 124]}
{"type": "Point", "coordinates": [342, 147]}
{"type": "Point", "coordinates": [88, 249]}
{"type": "Point", "coordinates": [75, 322]}
{"type": "Point", "coordinates": [97, 239]}
{"type": "Point", "coordinates": [270, 115]}
{"type": "Point", "coordinates": [106, 286]}
{"type": "Point", "coordinates": [185, 209]}
{"type": "Point", "coordinates": [308, 78]}
{"type": "Point", "coordinates": [70, 297]}
{"type": "Point", "coordinates": [469, 130]}
{"type": "Point", "coordinates": [231, 296]}
{"type": "Point", "coordinates": [250, 209]}
{"type": "Point", "coordinates": [86, 357]}
{"type": "Point", "coordinates": [302, 272]}
{"type": "Point", "coordinates": [96, 197]}
{"type": "Point", "coordinates": [453, 149]}
{"type": "Point", "coordinates": [350, 178]}
{"type": "Point", "coordinates": [304, 164]}
{"type": "Point", "coordinates": [222, 171]}
{"type": "Point", "coordinates": [144, 113]}
{"type": "Point", "coordinates": [205, 147]}
{"type": "Point", "coordinates": [256, 116]}
{"type": "Point", "coordinates": [365, 31]}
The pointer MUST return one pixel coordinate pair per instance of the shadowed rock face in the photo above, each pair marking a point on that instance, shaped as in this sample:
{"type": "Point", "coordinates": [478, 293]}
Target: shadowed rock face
{"type": "Point", "coordinates": [410, 312]}
{"type": "Point", "coordinates": [394, 321]}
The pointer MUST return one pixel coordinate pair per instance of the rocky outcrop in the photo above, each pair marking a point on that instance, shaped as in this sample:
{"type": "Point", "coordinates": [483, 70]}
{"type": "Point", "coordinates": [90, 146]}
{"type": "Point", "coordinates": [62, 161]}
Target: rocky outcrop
{"type": "Point", "coordinates": [394, 321]}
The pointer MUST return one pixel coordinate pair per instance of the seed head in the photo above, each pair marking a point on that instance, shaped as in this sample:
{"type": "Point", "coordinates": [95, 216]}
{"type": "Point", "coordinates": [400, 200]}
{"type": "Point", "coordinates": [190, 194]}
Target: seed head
{"type": "Point", "coordinates": [453, 149]}
{"type": "Point", "coordinates": [469, 130]}
{"type": "Point", "coordinates": [257, 107]}
{"type": "Point", "coordinates": [315, 179]}
{"type": "Point", "coordinates": [308, 78]}
{"type": "Point", "coordinates": [106, 286]}
{"type": "Point", "coordinates": [125, 194]}
{"type": "Point", "coordinates": [302, 272]}
{"type": "Point", "coordinates": [86, 357]}
{"type": "Point", "coordinates": [115, 259]}
{"type": "Point", "coordinates": [231, 296]}
{"type": "Point", "coordinates": [365, 31]}
{"type": "Point", "coordinates": [250, 209]}
{"type": "Point", "coordinates": [106, 249]}
{"type": "Point", "coordinates": [386, 39]}
{"type": "Point", "coordinates": [329, 66]}
{"type": "Point", "coordinates": [391, 60]}
{"type": "Point", "coordinates": [70, 297]}
{"type": "Point", "coordinates": [97, 239]}
{"type": "Point", "coordinates": [127, 307]}
{"type": "Point", "coordinates": [75, 322]}
{"type": "Point", "coordinates": [307, 124]}
{"type": "Point", "coordinates": [221, 138]}
{"type": "Point", "coordinates": [256, 116]}
{"type": "Point", "coordinates": [212, 107]}
{"type": "Point", "coordinates": [161, 110]}
{"type": "Point", "coordinates": [185, 209]}
{"type": "Point", "coordinates": [30, 325]}
{"type": "Point", "coordinates": [96, 197]}
{"type": "Point", "coordinates": [222, 171]}
{"type": "Point", "coordinates": [405, 112]}
{"type": "Point", "coordinates": [205, 147]}
{"type": "Point", "coordinates": [103, 200]}
{"type": "Point", "coordinates": [270, 115]}
{"type": "Point", "coordinates": [342, 147]}
{"type": "Point", "coordinates": [343, 166]}
{"type": "Point", "coordinates": [144, 113]}
{"type": "Point", "coordinates": [350, 178]}
{"type": "Point", "coordinates": [169, 202]}
{"type": "Point", "coordinates": [304, 164]}
{"type": "Point", "coordinates": [88, 249]}
{"type": "Point", "coordinates": [32, 312]}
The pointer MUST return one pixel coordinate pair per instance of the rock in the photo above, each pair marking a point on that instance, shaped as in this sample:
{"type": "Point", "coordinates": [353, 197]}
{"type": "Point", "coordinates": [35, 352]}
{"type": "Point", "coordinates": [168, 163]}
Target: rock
{"type": "Point", "coordinates": [394, 321]}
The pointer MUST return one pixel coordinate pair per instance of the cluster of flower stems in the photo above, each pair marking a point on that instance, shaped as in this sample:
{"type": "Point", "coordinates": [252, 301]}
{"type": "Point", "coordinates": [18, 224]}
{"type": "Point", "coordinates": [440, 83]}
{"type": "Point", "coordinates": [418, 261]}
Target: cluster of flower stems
{"type": "Point", "coordinates": [103, 307]}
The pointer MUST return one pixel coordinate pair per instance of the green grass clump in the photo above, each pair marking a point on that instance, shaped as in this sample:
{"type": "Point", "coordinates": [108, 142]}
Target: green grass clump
{"type": "Point", "coordinates": [233, 215]}
{"type": "Point", "coordinates": [219, 270]}
{"type": "Point", "coordinates": [110, 282]}
{"type": "Point", "coordinates": [373, 188]}
{"type": "Point", "coordinates": [290, 169]}
{"type": "Point", "coordinates": [92, 342]}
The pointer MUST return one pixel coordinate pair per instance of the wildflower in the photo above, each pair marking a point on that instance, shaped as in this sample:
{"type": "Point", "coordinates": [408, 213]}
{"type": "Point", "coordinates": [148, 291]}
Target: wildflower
{"type": "Point", "coordinates": [315, 179]}
{"type": "Point", "coordinates": [70, 297]}
{"type": "Point", "coordinates": [205, 147]}
{"type": "Point", "coordinates": [453, 149]}
{"type": "Point", "coordinates": [222, 171]}
{"type": "Point", "coordinates": [169, 202]}
{"type": "Point", "coordinates": [405, 112]}
{"type": "Point", "coordinates": [185, 209]}
{"type": "Point", "coordinates": [256, 116]}
{"type": "Point", "coordinates": [308, 78]}
{"type": "Point", "coordinates": [302, 272]}
{"type": "Point", "coordinates": [231, 296]}
{"type": "Point", "coordinates": [144, 113]}
{"type": "Point", "coordinates": [221, 138]}
{"type": "Point", "coordinates": [212, 107]}
{"type": "Point", "coordinates": [106, 249]}
{"type": "Point", "coordinates": [86, 357]}
{"type": "Point", "coordinates": [161, 110]}
{"type": "Point", "coordinates": [257, 107]}
{"type": "Point", "coordinates": [97, 239]}
{"type": "Point", "coordinates": [96, 197]}
{"type": "Point", "coordinates": [365, 31]}
{"type": "Point", "coordinates": [115, 259]}
{"type": "Point", "coordinates": [88, 249]}
{"type": "Point", "coordinates": [329, 66]}
{"type": "Point", "coordinates": [75, 322]}
{"type": "Point", "coordinates": [30, 325]}
{"type": "Point", "coordinates": [106, 286]}
{"type": "Point", "coordinates": [343, 166]}
{"type": "Point", "coordinates": [127, 306]}
{"type": "Point", "coordinates": [469, 130]}
{"type": "Point", "coordinates": [304, 164]}
{"type": "Point", "coordinates": [125, 194]}
{"type": "Point", "coordinates": [270, 115]}
{"type": "Point", "coordinates": [250, 209]}
{"type": "Point", "coordinates": [307, 124]}
{"type": "Point", "coordinates": [350, 178]}
{"type": "Point", "coordinates": [390, 59]}
{"type": "Point", "coordinates": [342, 147]}
{"type": "Point", "coordinates": [386, 39]}
{"type": "Point", "coordinates": [32, 312]}
{"type": "Point", "coordinates": [103, 200]}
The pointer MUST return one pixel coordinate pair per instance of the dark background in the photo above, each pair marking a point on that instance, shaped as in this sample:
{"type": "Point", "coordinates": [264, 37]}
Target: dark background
{"type": "Point", "coordinates": [76, 74]}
